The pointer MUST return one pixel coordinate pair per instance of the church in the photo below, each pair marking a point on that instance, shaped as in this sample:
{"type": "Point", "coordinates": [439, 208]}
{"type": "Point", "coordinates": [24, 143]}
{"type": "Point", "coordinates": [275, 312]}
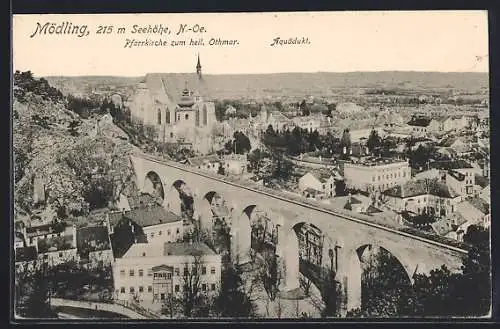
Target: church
{"type": "Point", "coordinates": [174, 104]}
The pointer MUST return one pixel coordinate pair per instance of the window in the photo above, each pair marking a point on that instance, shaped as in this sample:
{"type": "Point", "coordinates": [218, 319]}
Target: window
{"type": "Point", "coordinates": [205, 115]}
{"type": "Point", "coordinates": [122, 290]}
{"type": "Point", "coordinates": [169, 275]}
{"type": "Point", "coordinates": [122, 272]}
{"type": "Point", "coordinates": [152, 234]}
{"type": "Point", "coordinates": [131, 273]}
{"type": "Point", "coordinates": [187, 116]}
{"type": "Point", "coordinates": [178, 117]}
{"type": "Point", "coordinates": [156, 297]}
{"type": "Point", "coordinates": [159, 116]}
{"type": "Point", "coordinates": [186, 271]}
{"type": "Point", "coordinates": [141, 289]}
{"type": "Point", "coordinates": [177, 231]}
{"type": "Point", "coordinates": [212, 286]}
{"type": "Point", "coordinates": [176, 271]}
{"type": "Point", "coordinates": [197, 118]}
{"type": "Point", "coordinates": [204, 287]}
{"type": "Point", "coordinates": [141, 272]}
{"type": "Point", "coordinates": [168, 232]}
{"type": "Point", "coordinates": [150, 272]}
{"type": "Point", "coordinates": [150, 288]}
{"type": "Point", "coordinates": [167, 117]}
{"type": "Point", "coordinates": [60, 254]}
{"type": "Point", "coordinates": [171, 135]}
{"type": "Point", "coordinates": [176, 288]}
{"type": "Point", "coordinates": [159, 233]}
{"type": "Point", "coordinates": [378, 177]}
{"type": "Point", "coordinates": [132, 290]}
{"type": "Point", "coordinates": [162, 296]}
{"type": "Point", "coordinates": [203, 270]}
{"type": "Point", "coordinates": [212, 270]}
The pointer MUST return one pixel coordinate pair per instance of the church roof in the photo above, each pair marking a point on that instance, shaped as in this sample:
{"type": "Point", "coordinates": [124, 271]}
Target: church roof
{"type": "Point", "coordinates": [168, 88]}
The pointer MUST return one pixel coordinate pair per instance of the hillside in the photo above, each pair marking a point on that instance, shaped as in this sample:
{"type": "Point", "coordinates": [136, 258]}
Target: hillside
{"type": "Point", "coordinates": [80, 170]}
{"type": "Point", "coordinates": [258, 86]}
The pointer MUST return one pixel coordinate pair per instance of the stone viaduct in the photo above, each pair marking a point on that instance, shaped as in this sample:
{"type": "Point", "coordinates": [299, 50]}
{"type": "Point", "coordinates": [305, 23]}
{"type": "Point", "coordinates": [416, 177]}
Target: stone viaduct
{"type": "Point", "coordinates": [345, 233]}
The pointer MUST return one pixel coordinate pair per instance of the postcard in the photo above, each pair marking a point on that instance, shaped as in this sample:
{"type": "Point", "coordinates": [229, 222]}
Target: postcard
{"type": "Point", "coordinates": [277, 165]}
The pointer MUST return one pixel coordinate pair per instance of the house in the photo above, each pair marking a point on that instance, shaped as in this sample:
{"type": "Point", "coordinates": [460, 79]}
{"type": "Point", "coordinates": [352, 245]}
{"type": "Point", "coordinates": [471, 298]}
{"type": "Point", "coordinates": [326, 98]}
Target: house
{"type": "Point", "coordinates": [317, 184]}
{"type": "Point", "coordinates": [235, 164]}
{"type": "Point", "coordinates": [209, 163]}
{"type": "Point", "coordinates": [156, 223]}
{"type": "Point", "coordinates": [485, 194]}
{"type": "Point", "coordinates": [485, 209]}
{"type": "Point", "coordinates": [423, 196]}
{"type": "Point", "coordinates": [58, 249]}
{"type": "Point", "coordinates": [450, 228]}
{"type": "Point", "coordinates": [94, 246]}
{"type": "Point", "coordinates": [46, 231]}
{"type": "Point", "coordinates": [25, 258]}
{"type": "Point", "coordinates": [370, 173]}
{"type": "Point", "coordinates": [419, 126]}
{"type": "Point", "coordinates": [308, 123]}
{"type": "Point", "coordinates": [461, 182]}
{"type": "Point", "coordinates": [155, 271]}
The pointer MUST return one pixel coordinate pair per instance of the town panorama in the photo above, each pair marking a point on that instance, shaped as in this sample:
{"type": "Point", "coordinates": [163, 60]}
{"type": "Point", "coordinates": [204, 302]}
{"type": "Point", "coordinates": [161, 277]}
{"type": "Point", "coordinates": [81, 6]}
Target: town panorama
{"type": "Point", "coordinates": [291, 195]}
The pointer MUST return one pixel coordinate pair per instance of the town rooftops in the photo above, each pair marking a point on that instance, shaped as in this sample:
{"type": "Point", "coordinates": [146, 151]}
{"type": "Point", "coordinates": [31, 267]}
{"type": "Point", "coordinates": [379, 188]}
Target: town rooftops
{"type": "Point", "coordinates": [26, 254]}
{"type": "Point", "coordinates": [372, 162]}
{"type": "Point", "coordinates": [442, 227]}
{"type": "Point", "coordinates": [57, 243]}
{"type": "Point", "coordinates": [457, 175]}
{"type": "Point", "coordinates": [481, 180]}
{"type": "Point", "coordinates": [93, 238]}
{"type": "Point", "coordinates": [168, 249]}
{"type": "Point", "coordinates": [480, 204]}
{"type": "Point", "coordinates": [421, 187]}
{"type": "Point", "coordinates": [450, 164]}
{"type": "Point", "coordinates": [45, 229]}
{"type": "Point", "coordinates": [419, 122]}
{"type": "Point", "coordinates": [321, 175]}
{"type": "Point", "coordinates": [150, 216]}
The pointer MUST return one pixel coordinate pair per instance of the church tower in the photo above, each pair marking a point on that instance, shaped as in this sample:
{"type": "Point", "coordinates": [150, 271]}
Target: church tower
{"type": "Point", "coordinates": [198, 67]}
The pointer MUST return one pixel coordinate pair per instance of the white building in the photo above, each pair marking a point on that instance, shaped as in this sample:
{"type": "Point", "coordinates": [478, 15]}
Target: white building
{"type": "Point", "coordinates": [58, 249]}
{"type": "Point", "coordinates": [322, 183]}
{"type": "Point", "coordinates": [156, 222]}
{"type": "Point", "coordinates": [153, 271]}
{"type": "Point", "coordinates": [376, 174]}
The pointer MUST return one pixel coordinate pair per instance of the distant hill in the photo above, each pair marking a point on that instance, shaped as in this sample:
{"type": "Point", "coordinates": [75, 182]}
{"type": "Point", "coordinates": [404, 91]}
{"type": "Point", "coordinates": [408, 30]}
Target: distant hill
{"type": "Point", "coordinates": [291, 84]}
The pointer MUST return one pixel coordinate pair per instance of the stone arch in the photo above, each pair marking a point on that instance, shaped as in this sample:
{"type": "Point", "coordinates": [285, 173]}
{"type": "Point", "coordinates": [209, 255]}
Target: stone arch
{"type": "Point", "coordinates": [317, 254]}
{"type": "Point", "coordinates": [179, 197]}
{"type": "Point", "coordinates": [154, 185]}
{"type": "Point", "coordinates": [353, 264]}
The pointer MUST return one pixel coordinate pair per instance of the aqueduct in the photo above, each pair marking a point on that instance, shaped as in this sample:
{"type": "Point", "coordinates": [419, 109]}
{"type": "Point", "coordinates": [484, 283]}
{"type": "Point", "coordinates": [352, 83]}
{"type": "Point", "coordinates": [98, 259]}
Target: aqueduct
{"type": "Point", "coordinates": [308, 233]}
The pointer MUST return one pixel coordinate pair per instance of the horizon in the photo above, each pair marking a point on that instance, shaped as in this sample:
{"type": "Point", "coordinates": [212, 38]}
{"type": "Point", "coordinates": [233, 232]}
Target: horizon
{"type": "Point", "coordinates": [243, 73]}
{"type": "Point", "coordinates": [338, 42]}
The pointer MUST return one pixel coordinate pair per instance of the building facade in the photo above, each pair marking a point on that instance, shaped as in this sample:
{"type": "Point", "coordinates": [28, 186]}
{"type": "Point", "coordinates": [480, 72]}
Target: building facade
{"type": "Point", "coordinates": [153, 271]}
{"type": "Point", "coordinates": [376, 174]}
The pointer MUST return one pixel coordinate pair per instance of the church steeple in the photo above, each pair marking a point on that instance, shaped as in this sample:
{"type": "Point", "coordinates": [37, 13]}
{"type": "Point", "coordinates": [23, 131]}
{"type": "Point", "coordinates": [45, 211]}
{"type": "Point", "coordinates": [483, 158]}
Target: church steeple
{"type": "Point", "coordinates": [198, 67]}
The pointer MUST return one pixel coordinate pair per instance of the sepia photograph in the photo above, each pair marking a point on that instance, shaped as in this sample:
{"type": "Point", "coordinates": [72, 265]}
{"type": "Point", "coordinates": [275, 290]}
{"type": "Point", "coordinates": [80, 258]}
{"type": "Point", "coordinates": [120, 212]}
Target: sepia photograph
{"type": "Point", "coordinates": [243, 166]}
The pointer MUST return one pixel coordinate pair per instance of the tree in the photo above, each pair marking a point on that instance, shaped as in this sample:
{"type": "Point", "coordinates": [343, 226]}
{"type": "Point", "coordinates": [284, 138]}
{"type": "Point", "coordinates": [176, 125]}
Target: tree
{"type": "Point", "coordinates": [340, 188]}
{"type": "Point", "coordinates": [374, 141]}
{"type": "Point", "coordinates": [32, 293]}
{"type": "Point", "coordinates": [241, 143]}
{"type": "Point", "coordinates": [255, 159]}
{"type": "Point", "coordinates": [232, 300]}
{"type": "Point", "coordinates": [345, 141]}
{"type": "Point", "coordinates": [193, 300]}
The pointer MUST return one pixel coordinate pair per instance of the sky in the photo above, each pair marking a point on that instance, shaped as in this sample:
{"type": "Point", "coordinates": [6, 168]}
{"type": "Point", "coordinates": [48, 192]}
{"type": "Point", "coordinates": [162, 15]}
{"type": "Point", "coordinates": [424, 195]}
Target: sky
{"type": "Point", "coordinates": [444, 41]}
